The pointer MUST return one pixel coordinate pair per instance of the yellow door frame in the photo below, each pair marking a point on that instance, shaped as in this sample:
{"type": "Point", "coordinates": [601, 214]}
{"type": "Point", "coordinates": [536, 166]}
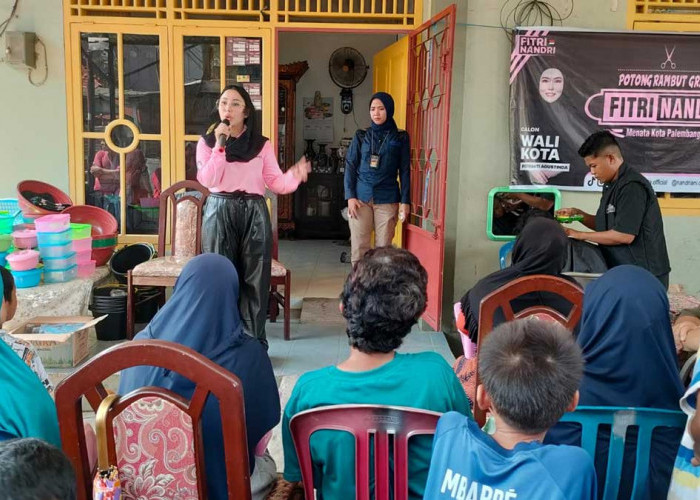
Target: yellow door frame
{"type": "Point", "coordinates": [178, 101]}
{"type": "Point", "coordinates": [76, 134]}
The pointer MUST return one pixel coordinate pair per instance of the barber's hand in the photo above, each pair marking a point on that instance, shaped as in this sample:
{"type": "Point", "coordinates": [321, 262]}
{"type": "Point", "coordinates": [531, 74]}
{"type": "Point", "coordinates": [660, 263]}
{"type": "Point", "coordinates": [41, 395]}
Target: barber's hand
{"type": "Point", "coordinates": [684, 336]}
{"type": "Point", "coordinates": [568, 212]}
{"type": "Point", "coordinates": [404, 211]}
{"type": "Point", "coordinates": [300, 170]}
{"type": "Point", "coordinates": [353, 206]}
{"type": "Point", "coordinates": [222, 129]}
{"type": "Point", "coordinates": [573, 234]}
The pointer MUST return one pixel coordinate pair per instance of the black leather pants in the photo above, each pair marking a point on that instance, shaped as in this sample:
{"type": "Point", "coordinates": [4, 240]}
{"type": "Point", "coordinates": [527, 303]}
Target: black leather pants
{"type": "Point", "coordinates": [237, 226]}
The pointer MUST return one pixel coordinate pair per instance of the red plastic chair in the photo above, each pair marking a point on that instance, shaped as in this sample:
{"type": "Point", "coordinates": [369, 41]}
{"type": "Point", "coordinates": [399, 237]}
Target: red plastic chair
{"type": "Point", "coordinates": [502, 299]}
{"type": "Point", "coordinates": [209, 378]}
{"type": "Point", "coordinates": [364, 422]}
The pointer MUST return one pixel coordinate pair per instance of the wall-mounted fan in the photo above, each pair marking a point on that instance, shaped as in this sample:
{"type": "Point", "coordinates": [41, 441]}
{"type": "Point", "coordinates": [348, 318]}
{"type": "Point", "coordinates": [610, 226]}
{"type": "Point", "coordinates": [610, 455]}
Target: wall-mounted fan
{"type": "Point", "coordinates": [348, 69]}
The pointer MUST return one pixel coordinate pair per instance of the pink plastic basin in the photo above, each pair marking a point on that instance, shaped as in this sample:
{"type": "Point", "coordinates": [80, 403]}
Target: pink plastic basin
{"type": "Point", "coordinates": [54, 223]}
{"type": "Point", "coordinates": [23, 260]}
{"type": "Point", "coordinates": [25, 238]}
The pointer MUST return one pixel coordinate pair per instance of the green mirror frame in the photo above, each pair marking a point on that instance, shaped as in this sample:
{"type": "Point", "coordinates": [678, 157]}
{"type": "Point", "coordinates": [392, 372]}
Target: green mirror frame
{"type": "Point", "coordinates": [515, 189]}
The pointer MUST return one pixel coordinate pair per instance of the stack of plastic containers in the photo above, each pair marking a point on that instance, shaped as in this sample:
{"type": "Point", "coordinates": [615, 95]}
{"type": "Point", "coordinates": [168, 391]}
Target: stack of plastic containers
{"type": "Point", "coordinates": [82, 245]}
{"type": "Point", "coordinates": [56, 248]}
{"type": "Point", "coordinates": [24, 267]}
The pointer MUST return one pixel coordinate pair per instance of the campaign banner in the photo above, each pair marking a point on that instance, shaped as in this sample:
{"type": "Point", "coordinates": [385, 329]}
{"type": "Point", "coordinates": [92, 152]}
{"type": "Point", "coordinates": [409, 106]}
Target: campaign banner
{"type": "Point", "coordinates": [642, 87]}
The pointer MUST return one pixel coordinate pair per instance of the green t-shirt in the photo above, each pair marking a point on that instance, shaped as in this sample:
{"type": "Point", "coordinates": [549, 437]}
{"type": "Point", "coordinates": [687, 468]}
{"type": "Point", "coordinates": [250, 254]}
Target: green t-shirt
{"type": "Point", "coordinates": [422, 380]}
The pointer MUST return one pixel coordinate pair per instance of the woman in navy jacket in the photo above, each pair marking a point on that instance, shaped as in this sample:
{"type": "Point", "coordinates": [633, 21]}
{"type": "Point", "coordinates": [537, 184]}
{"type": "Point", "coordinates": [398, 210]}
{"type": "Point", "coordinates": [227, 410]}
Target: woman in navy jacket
{"type": "Point", "coordinates": [376, 157]}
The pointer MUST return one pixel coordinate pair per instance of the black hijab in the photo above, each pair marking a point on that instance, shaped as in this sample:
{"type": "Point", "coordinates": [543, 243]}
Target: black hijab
{"type": "Point", "coordinates": [541, 248]}
{"type": "Point", "coordinates": [250, 143]}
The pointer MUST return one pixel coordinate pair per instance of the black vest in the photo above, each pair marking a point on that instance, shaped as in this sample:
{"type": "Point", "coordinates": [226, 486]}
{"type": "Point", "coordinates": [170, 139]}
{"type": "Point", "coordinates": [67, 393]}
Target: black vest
{"type": "Point", "coordinates": [648, 250]}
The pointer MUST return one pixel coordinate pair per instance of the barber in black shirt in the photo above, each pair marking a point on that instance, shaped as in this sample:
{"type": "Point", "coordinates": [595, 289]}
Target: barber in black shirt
{"type": "Point", "coordinates": [628, 226]}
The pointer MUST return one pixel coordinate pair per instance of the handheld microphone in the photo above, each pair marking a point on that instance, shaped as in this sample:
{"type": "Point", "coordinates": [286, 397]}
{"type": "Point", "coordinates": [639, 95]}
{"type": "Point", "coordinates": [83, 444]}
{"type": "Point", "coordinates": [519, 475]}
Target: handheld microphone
{"type": "Point", "coordinates": [221, 141]}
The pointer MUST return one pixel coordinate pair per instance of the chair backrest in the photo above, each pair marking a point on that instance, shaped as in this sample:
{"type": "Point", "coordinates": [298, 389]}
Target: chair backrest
{"type": "Point", "coordinates": [150, 402]}
{"type": "Point", "coordinates": [186, 219]}
{"type": "Point", "coordinates": [364, 422]}
{"type": "Point", "coordinates": [504, 296]}
{"type": "Point", "coordinates": [619, 419]}
{"type": "Point", "coordinates": [503, 253]}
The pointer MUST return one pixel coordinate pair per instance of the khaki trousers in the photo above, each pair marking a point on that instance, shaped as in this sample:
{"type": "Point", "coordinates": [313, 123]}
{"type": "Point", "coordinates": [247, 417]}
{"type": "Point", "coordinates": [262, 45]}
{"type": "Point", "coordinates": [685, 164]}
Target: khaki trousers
{"type": "Point", "coordinates": [381, 218]}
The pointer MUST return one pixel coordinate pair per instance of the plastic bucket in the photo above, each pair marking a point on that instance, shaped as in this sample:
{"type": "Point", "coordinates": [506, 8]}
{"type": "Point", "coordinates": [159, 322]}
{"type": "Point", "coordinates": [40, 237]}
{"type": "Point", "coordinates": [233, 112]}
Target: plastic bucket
{"type": "Point", "coordinates": [128, 258]}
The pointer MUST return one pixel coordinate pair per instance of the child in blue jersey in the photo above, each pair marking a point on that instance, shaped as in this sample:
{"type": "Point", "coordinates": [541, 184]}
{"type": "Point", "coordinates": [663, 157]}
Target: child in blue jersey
{"type": "Point", "coordinates": [382, 298]}
{"type": "Point", "coordinates": [685, 480]}
{"type": "Point", "coordinates": [530, 372]}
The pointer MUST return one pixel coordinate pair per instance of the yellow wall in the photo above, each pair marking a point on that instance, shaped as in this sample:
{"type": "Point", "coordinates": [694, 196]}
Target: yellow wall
{"type": "Point", "coordinates": [33, 142]}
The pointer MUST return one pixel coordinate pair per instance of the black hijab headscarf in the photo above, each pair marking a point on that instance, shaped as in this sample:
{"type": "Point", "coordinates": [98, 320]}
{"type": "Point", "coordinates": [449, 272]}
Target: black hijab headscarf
{"type": "Point", "coordinates": [540, 248]}
{"type": "Point", "coordinates": [250, 143]}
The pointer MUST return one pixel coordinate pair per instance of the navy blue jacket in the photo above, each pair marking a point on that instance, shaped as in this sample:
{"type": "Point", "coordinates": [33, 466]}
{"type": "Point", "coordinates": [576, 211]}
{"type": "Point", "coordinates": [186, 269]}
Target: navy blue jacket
{"type": "Point", "coordinates": [378, 185]}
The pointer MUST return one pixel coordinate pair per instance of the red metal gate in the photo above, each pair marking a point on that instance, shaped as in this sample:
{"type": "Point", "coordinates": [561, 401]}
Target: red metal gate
{"type": "Point", "coordinates": [427, 122]}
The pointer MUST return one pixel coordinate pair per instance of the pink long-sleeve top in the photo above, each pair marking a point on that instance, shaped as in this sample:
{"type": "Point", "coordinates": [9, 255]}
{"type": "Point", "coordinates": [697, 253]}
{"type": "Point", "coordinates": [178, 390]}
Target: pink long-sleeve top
{"type": "Point", "coordinates": [220, 176]}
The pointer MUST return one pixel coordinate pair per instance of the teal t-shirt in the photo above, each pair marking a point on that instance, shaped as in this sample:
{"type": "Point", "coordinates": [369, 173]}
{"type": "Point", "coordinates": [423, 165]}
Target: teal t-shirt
{"type": "Point", "coordinates": [422, 380]}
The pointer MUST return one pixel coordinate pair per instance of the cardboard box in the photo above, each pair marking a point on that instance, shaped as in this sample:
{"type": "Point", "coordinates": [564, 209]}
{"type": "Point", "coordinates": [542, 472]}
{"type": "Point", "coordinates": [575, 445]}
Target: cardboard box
{"type": "Point", "coordinates": [58, 350]}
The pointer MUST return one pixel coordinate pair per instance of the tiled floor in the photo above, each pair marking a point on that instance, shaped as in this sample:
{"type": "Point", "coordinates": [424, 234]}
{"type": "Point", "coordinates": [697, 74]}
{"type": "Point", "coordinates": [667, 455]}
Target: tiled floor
{"type": "Point", "coordinates": [316, 267]}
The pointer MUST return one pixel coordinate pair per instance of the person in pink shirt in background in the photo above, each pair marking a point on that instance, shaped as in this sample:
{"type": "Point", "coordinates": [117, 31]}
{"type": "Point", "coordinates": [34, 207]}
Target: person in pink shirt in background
{"type": "Point", "coordinates": [236, 222]}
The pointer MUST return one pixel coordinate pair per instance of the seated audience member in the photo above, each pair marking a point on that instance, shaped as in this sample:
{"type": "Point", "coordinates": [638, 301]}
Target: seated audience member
{"type": "Point", "coordinates": [630, 360]}
{"type": "Point", "coordinates": [530, 370]}
{"type": "Point", "coordinates": [541, 248]}
{"type": "Point", "coordinates": [202, 315]}
{"type": "Point", "coordinates": [31, 469]}
{"type": "Point", "coordinates": [686, 330]}
{"type": "Point", "coordinates": [685, 480]}
{"type": "Point", "coordinates": [382, 298]}
{"type": "Point", "coordinates": [24, 350]}
{"type": "Point", "coordinates": [26, 408]}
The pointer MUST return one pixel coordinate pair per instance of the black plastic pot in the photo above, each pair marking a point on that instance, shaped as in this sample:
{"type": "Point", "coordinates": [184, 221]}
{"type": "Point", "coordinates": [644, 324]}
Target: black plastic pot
{"type": "Point", "coordinates": [113, 327]}
{"type": "Point", "coordinates": [127, 258]}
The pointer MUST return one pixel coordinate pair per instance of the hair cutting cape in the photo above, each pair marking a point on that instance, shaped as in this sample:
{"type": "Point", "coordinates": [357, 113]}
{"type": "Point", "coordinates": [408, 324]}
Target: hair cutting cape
{"type": "Point", "coordinates": [541, 248]}
{"type": "Point", "coordinates": [26, 408]}
{"type": "Point", "coordinates": [203, 314]}
{"type": "Point", "coordinates": [630, 360]}
{"type": "Point", "coordinates": [249, 143]}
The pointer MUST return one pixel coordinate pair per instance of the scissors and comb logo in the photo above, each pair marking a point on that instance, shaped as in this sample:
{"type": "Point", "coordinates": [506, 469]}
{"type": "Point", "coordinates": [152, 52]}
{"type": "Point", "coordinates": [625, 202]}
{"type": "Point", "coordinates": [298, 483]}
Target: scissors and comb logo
{"type": "Point", "coordinates": [669, 58]}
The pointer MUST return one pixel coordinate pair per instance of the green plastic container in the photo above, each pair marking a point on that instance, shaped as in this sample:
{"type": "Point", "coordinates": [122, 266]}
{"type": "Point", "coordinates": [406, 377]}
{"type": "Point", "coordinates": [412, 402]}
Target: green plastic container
{"type": "Point", "coordinates": [80, 231]}
{"type": "Point", "coordinates": [569, 218]}
{"type": "Point", "coordinates": [6, 222]}
{"type": "Point", "coordinates": [5, 242]}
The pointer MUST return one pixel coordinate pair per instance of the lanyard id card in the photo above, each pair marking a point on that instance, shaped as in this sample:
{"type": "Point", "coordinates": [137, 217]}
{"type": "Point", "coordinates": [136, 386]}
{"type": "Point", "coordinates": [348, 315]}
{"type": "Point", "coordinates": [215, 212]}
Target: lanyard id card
{"type": "Point", "coordinates": [374, 161]}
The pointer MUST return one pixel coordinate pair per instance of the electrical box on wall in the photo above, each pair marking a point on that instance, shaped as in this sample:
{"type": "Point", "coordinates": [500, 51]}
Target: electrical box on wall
{"type": "Point", "coordinates": [19, 48]}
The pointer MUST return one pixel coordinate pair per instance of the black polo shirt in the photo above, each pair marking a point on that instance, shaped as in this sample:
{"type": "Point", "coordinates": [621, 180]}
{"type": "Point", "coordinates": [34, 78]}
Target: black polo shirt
{"type": "Point", "coordinates": [629, 205]}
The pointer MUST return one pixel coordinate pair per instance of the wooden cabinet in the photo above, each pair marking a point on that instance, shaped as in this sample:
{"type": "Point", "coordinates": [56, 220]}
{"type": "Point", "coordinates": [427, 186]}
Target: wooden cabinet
{"type": "Point", "coordinates": [318, 204]}
{"type": "Point", "coordinates": [289, 75]}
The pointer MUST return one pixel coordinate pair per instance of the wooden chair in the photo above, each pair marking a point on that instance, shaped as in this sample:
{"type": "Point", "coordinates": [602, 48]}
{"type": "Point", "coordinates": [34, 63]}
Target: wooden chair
{"type": "Point", "coordinates": [504, 296]}
{"type": "Point", "coordinates": [185, 242]}
{"type": "Point", "coordinates": [371, 425]}
{"type": "Point", "coordinates": [280, 275]}
{"type": "Point", "coordinates": [131, 416]}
